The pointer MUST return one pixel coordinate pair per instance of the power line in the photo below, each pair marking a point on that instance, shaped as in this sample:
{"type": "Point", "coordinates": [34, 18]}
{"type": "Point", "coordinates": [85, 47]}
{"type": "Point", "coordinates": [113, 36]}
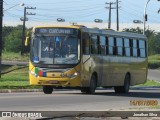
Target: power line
{"type": "Point", "coordinates": [70, 10]}
{"type": "Point", "coordinates": [67, 2]}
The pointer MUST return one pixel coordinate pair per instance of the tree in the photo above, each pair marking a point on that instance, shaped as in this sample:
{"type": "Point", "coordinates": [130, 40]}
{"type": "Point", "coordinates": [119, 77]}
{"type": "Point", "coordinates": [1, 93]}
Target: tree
{"type": "Point", "coordinates": [133, 30]}
{"type": "Point", "coordinates": [12, 37]}
{"type": "Point", "coordinates": [13, 41]}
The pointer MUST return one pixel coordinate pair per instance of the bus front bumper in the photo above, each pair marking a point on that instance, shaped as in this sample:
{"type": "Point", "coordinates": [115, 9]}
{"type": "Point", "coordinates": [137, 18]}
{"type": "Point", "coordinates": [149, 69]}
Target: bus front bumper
{"type": "Point", "coordinates": [57, 82]}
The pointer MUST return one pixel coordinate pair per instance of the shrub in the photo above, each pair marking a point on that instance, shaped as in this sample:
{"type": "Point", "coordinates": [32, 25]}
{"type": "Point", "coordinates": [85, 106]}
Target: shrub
{"type": "Point", "coordinates": [153, 64]}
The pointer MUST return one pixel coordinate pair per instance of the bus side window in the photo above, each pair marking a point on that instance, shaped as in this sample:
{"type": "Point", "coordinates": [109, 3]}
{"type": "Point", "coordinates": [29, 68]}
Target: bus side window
{"type": "Point", "coordinates": [119, 46]}
{"type": "Point", "coordinates": [127, 47]}
{"type": "Point", "coordinates": [85, 42]}
{"type": "Point", "coordinates": [110, 45]}
{"type": "Point", "coordinates": [135, 48]}
{"type": "Point", "coordinates": [142, 48]}
{"type": "Point", "coordinates": [102, 45]}
{"type": "Point", "coordinates": [94, 44]}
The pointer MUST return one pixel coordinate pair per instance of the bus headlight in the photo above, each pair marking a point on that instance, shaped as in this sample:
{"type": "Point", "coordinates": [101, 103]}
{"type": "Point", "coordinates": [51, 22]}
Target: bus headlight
{"type": "Point", "coordinates": [73, 75]}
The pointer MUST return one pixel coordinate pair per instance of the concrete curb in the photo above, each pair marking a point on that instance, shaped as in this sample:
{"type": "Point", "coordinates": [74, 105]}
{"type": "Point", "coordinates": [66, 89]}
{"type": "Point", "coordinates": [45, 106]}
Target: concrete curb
{"type": "Point", "coordinates": [145, 88]}
{"type": "Point", "coordinates": [19, 90]}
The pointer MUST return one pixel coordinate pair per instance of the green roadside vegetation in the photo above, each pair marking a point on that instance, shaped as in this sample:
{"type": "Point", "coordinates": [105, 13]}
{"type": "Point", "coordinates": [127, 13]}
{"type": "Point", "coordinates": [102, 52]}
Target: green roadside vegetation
{"type": "Point", "coordinates": [12, 56]}
{"type": "Point", "coordinates": [150, 83]}
{"type": "Point", "coordinates": [16, 77]}
{"type": "Point", "coordinates": [154, 61]}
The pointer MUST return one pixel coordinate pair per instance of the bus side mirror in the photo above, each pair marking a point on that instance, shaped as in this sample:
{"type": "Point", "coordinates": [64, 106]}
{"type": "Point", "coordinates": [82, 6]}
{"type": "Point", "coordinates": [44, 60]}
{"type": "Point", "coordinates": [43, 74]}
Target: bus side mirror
{"type": "Point", "coordinates": [26, 41]}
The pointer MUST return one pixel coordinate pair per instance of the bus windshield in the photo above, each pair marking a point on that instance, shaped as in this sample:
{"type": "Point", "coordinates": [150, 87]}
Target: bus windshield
{"type": "Point", "coordinates": [55, 49]}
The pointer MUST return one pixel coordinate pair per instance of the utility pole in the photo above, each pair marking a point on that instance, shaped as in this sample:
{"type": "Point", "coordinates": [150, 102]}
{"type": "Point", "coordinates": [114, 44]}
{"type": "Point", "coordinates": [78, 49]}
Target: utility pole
{"type": "Point", "coordinates": [145, 17]}
{"type": "Point", "coordinates": [110, 8]}
{"type": "Point", "coordinates": [23, 31]}
{"type": "Point", "coordinates": [1, 24]}
{"type": "Point", "coordinates": [24, 19]}
{"type": "Point", "coordinates": [117, 2]}
{"type": "Point", "coordinates": [158, 11]}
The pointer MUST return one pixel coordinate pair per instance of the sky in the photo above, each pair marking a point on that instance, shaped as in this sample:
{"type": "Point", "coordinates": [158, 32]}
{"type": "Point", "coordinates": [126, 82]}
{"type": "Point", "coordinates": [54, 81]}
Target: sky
{"type": "Point", "coordinates": [79, 11]}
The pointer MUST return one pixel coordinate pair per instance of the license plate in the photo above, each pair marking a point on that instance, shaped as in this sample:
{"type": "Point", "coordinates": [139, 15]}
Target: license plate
{"type": "Point", "coordinates": [53, 82]}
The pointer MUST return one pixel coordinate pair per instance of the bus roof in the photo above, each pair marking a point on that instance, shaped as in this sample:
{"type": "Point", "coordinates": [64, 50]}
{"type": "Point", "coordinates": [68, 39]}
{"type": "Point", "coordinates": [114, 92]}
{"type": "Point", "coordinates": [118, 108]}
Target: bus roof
{"type": "Point", "coordinates": [113, 33]}
{"type": "Point", "coordinates": [99, 31]}
{"type": "Point", "coordinates": [72, 26]}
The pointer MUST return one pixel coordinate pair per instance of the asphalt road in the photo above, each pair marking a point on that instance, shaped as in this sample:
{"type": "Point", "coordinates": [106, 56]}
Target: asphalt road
{"type": "Point", "coordinates": [75, 101]}
{"type": "Point", "coordinates": [154, 75]}
{"type": "Point", "coordinates": [80, 104]}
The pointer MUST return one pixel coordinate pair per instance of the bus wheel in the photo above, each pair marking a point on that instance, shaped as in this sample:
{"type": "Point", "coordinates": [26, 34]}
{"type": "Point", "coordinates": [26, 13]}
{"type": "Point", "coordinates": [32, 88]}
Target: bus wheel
{"type": "Point", "coordinates": [83, 89]}
{"type": "Point", "coordinates": [47, 89]}
{"type": "Point", "coordinates": [93, 84]}
{"type": "Point", "coordinates": [125, 88]}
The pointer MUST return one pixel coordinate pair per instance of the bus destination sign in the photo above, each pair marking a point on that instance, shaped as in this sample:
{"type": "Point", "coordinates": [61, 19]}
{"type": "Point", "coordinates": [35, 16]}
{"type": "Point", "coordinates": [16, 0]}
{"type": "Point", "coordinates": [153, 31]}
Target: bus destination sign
{"type": "Point", "coordinates": [54, 31]}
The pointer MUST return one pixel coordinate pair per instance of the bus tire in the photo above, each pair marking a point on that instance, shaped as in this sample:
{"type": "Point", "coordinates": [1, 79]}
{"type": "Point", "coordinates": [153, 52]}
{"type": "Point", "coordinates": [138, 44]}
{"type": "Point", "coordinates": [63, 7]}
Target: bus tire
{"type": "Point", "coordinates": [125, 88]}
{"type": "Point", "coordinates": [83, 89]}
{"type": "Point", "coordinates": [93, 84]}
{"type": "Point", "coordinates": [47, 89]}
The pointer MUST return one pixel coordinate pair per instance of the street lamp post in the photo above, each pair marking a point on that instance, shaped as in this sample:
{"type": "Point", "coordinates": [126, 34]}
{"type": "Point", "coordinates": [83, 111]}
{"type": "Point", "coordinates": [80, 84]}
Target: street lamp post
{"type": "Point", "coordinates": [144, 17]}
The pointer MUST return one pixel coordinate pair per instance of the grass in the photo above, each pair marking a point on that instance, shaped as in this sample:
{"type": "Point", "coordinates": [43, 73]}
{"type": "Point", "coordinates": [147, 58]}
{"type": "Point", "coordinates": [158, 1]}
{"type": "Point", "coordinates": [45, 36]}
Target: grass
{"type": "Point", "coordinates": [16, 79]}
{"type": "Point", "coordinates": [150, 83]}
{"type": "Point", "coordinates": [10, 56]}
{"type": "Point", "coordinates": [154, 57]}
{"type": "Point", "coordinates": [154, 61]}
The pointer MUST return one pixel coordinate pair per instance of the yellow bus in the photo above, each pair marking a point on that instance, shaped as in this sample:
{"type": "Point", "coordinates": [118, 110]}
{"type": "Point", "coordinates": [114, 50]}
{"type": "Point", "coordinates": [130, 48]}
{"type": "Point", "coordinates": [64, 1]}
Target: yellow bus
{"type": "Point", "coordinates": [86, 58]}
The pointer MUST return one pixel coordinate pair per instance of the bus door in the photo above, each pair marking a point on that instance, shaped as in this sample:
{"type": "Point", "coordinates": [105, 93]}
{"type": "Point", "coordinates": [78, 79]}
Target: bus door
{"type": "Point", "coordinates": [92, 59]}
{"type": "Point", "coordinates": [86, 60]}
